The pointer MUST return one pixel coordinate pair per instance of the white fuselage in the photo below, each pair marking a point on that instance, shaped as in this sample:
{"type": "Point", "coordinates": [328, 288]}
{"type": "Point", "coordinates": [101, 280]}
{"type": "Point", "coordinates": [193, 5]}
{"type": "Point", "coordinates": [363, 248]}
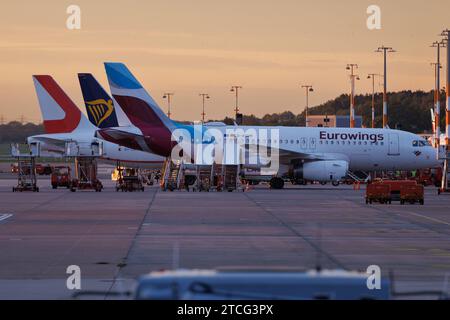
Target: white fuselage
{"type": "Point", "coordinates": [364, 149]}
{"type": "Point", "coordinates": [112, 153]}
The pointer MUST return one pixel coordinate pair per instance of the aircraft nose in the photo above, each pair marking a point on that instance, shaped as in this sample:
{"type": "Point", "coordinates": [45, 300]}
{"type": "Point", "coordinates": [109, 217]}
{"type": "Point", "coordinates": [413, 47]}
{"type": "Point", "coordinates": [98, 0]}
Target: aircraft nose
{"type": "Point", "coordinates": [432, 157]}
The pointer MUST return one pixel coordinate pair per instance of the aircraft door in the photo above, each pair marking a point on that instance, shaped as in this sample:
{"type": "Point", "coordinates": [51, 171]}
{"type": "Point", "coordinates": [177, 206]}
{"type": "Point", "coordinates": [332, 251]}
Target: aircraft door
{"type": "Point", "coordinates": [303, 143]}
{"type": "Point", "coordinates": [394, 148]}
{"type": "Point", "coordinates": [312, 143]}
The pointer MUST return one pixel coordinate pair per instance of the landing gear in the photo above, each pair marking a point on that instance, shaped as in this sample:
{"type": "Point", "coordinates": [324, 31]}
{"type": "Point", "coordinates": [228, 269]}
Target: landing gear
{"type": "Point", "coordinates": [335, 183]}
{"type": "Point", "coordinates": [276, 183]}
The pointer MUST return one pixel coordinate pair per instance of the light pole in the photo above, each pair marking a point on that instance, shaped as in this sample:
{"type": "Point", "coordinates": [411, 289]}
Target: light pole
{"type": "Point", "coordinates": [353, 76]}
{"type": "Point", "coordinates": [436, 130]}
{"type": "Point", "coordinates": [167, 96]}
{"type": "Point", "coordinates": [437, 90]}
{"type": "Point", "coordinates": [204, 96]}
{"type": "Point", "coordinates": [385, 50]}
{"type": "Point", "coordinates": [236, 89]}
{"type": "Point", "coordinates": [444, 185]}
{"type": "Point", "coordinates": [308, 89]}
{"type": "Point", "coordinates": [372, 76]}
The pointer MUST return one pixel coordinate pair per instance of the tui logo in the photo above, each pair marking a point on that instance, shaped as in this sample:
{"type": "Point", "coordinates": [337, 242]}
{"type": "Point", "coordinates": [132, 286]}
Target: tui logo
{"type": "Point", "coordinates": [100, 109]}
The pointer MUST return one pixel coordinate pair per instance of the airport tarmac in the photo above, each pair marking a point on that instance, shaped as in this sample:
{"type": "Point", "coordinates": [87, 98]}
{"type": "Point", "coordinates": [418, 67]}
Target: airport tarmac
{"type": "Point", "coordinates": [114, 237]}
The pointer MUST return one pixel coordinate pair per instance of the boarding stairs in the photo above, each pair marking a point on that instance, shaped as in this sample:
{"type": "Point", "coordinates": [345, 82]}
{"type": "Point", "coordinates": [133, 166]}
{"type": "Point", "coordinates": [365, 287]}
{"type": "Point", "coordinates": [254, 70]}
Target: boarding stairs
{"type": "Point", "coordinates": [216, 177]}
{"type": "Point", "coordinates": [358, 176]}
{"type": "Point", "coordinates": [231, 179]}
{"type": "Point", "coordinates": [172, 174]}
{"type": "Point", "coordinates": [445, 184]}
{"type": "Point", "coordinates": [204, 177]}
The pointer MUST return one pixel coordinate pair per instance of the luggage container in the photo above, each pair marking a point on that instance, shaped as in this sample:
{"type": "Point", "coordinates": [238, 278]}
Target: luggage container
{"type": "Point", "coordinates": [378, 192]}
{"type": "Point", "coordinates": [412, 194]}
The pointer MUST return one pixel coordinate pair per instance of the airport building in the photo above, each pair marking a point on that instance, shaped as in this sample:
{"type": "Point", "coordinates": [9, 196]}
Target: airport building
{"type": "Point", "coordinates": [332, 121]}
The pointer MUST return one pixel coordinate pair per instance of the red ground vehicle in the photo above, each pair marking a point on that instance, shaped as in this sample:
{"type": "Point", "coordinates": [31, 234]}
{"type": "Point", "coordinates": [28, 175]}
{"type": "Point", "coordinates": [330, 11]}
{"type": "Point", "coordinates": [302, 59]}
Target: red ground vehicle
{"type": "Point", "coordinates": [378, 192]}
{"type": "Point", "coordinates": [398, 190]}
{"type": "Point", "coordinates": [61, 177]}
{"type": "Point", "coordinates": [14, 168]}
{"type": "Point", "coordinates": [396, 185]}
{"type": "Point", "coordinates": [43, 169]}
{"type": "Point", "coordinates": [411, 193]}
{"type": "Point", "coordinates": [428, 177]}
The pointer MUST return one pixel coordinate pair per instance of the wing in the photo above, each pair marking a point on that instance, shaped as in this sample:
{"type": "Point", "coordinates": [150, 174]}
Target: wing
{"type": "Point", "coordinates": [287, 156]}
{"type": "Point", "coordinates": [123, 137]}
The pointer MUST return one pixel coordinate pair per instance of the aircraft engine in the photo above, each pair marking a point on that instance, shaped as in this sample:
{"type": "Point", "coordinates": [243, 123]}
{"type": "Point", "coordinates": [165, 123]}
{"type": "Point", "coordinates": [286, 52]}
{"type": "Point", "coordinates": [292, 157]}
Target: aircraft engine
{"type": "Point", "coordinates": [322, 170]}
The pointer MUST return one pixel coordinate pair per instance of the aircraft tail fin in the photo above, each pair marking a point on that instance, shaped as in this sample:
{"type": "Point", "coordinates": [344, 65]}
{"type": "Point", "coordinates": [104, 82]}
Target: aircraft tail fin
{"type": "Point", "coordinates": [100, 107]}
{"type": "Point", "coordinates": [59, 112]}
{"type": "Point", "coordinates": [135, 101]}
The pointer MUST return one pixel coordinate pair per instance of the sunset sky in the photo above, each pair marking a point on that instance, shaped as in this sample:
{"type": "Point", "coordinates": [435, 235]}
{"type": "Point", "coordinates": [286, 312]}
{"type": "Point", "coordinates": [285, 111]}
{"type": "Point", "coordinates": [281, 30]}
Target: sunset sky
{"type": "Point", "coordinates": [188, 47]}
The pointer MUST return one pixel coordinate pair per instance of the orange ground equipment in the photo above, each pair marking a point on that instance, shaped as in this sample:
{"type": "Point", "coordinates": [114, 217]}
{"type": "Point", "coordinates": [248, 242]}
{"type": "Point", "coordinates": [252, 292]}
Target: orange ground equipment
{"type": "Point", "coordinates": [378, 192]}
{"type": "Point", "coordinates": [386, 191]}
{"type": "Point", "coordinates": [61, 177]}
{"type": "Point", "coordinates": [411, 193]}
{"type": "Point", "coordinates": [42, 169]}
{"type": "Point", "coordinates": [395, 186]}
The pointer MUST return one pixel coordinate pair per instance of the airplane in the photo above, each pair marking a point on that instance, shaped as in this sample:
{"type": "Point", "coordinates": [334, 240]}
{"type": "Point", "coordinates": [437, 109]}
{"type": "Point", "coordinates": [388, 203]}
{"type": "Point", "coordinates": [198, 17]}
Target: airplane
{"type": "Point", "coordinates": [64, 122]}
{"type": "Point", "coordinates": [309, 153]}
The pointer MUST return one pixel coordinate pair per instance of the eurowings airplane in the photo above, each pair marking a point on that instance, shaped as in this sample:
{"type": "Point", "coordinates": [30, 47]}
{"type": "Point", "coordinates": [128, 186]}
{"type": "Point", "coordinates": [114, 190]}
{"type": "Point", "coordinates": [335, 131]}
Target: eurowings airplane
{"type": "Point", "coordinates": [64, 122]}
{"type": "Point", "coordinates": [311, 153]}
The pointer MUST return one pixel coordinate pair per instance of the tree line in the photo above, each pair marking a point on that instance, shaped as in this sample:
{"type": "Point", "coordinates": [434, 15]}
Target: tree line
{"type": "Point", "coordinates": [408, 110]}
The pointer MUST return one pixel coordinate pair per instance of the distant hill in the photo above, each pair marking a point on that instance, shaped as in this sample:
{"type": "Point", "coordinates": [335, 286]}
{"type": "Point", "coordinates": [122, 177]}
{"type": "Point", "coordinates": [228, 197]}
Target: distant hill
{"type": "Point", "coordinates": [408, 110]}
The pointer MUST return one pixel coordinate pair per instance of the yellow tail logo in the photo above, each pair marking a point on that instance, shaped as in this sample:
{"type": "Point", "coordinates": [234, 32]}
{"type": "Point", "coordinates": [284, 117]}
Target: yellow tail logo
{"type": "Point", "coordinates": [100, 109]}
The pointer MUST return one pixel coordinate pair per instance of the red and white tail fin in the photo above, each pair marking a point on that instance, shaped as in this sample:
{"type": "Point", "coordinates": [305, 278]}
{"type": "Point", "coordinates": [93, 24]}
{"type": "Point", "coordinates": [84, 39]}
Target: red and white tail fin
{"type": "Point", "coordinates": [59, 112]}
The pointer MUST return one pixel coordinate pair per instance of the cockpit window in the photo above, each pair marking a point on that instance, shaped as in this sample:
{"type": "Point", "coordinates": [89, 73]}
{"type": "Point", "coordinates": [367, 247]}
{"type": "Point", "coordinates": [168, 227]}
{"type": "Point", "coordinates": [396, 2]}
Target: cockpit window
{"type": "Point", "coordinates": [421, 143]}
